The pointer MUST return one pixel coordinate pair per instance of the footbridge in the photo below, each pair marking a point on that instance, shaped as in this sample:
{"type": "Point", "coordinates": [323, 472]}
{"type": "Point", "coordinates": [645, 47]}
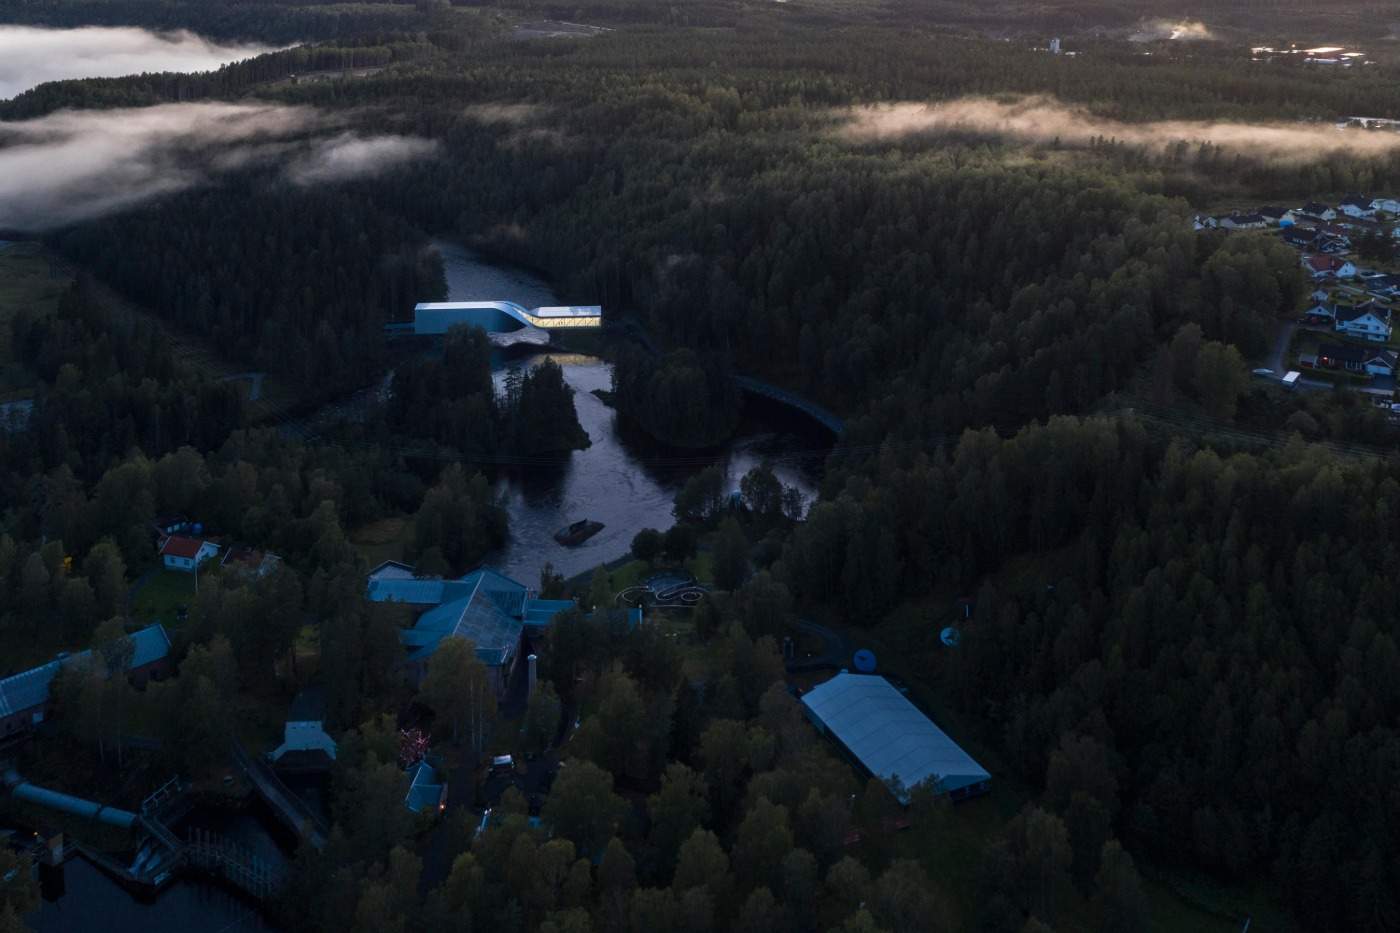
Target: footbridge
{"type": "Point", "coordinates": [435, 317]}
{"type": "Point", "coordinates": [289, 808]}
{"type": "Point", "coordinates": [505, 322]}
{"type": "Point", "coordinates": [816, 412]}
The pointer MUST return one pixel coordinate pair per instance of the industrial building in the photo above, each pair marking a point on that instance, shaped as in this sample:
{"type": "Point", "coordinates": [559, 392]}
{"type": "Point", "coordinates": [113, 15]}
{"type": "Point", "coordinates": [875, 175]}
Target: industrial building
{"type": "Point", "coordinates": [25, 699]}
{"type": "Point", "coordinates": [890, 737]}
{"type": "Point", "coordinates": [488, 608]}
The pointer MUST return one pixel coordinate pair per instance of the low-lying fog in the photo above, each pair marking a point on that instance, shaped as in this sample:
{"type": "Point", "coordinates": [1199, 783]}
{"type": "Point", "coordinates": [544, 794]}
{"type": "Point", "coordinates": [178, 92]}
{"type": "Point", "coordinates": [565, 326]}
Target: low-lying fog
{"type": "Point", "coordinates": [75, 165]}
{"type": "Point", "coordinates": [30, 56]}
{"type": "Point", "coordinates": [1042, 119]}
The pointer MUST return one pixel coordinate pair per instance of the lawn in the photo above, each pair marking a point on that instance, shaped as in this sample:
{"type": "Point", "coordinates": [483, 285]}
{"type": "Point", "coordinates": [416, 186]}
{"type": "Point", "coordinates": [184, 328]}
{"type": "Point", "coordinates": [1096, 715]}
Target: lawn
{"type": "Point", "coordinates": [380, 541]}
{"type": "Point", "coordinates": [159, 598]}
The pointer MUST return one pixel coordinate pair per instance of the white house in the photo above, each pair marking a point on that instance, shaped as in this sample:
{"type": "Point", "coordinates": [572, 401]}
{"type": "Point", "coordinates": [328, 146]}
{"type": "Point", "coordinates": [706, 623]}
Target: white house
{"type": "Point", "coordinates": [1318, 210]}
{"type": "Point", "coordinates": [1370, 321]}
{"type": "Point", "coordinates": [1382, 363]}
{"type": "Point", "coordinates": [1389, 205]}
{"type": "Point", "coordinates": [183, 553]}
{"type": "Point", "coordinates": [1356, 206]}
{"type": "Point", "coordinates": [305, 744]}
{"type": "Point", "coordinates": [1278, 216]}
{"type": "Point", "coordinates": [1244, 222]}
{"type": "Point", "coordinates": [1320, 313]}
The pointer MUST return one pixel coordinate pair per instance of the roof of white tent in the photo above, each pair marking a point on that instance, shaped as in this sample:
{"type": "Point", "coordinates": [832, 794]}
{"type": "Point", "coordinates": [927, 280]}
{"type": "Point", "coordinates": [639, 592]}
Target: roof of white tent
{"type": "Point", "coordinates": [888, 733]}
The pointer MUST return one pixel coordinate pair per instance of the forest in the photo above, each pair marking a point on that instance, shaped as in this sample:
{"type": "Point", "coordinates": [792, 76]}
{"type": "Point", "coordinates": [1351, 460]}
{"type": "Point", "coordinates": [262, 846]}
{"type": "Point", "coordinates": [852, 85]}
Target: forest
{"type": "Point", "coordinates": [452, 400]}
{"type": "Point", "coordinates": [1181, 648]}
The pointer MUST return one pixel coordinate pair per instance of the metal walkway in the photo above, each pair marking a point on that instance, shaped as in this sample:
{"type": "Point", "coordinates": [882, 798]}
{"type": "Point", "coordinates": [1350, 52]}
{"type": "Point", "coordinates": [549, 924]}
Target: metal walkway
{"type": "Point", "coordinates": [757, 387]}
{"type": "Point", "coordinates": [290, 808]}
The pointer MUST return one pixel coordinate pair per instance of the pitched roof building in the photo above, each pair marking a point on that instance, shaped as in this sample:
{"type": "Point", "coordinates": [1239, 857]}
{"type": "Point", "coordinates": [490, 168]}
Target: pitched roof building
{"type": "Point", "coordinates": [181, 552]}
{"type": "Point", "coordinates": [25, 697]}
{"type": "Point", "coordinates": [488, 608]}
{"type": "Point", "coordinates": [890, 737]}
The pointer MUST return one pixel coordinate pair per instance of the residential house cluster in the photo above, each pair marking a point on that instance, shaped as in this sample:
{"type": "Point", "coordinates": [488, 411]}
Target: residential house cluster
{"type": "Point", "coordinates": [1355, 302]}
{"type": "Point", "coordinates": [183, 546]}
{"type": "Point", "coordinates": [1348, 357]}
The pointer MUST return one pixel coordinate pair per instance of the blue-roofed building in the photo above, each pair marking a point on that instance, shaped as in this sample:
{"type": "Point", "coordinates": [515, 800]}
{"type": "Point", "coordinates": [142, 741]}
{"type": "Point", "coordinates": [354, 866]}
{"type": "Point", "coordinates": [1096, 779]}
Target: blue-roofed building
{"type": "Point", "coordinates": [488, 608]}
{"type": "Point", "coordinates": [25, 698]}
{"type": "Point", "coordinates": [427, 791]}
{"type": "Point", "coordinates": [891, 738]}
{"type": "Point", "coordinates": [539, 613]}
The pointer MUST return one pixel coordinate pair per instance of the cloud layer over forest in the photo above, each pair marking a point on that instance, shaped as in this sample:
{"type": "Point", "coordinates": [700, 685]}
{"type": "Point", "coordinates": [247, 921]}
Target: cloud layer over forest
{"type": "Point", "coordinates": [31, 56]}
{"type": "Point", "coordinates": [76, 165]}
{"type": "Point", "coordinates": [1040, 119]}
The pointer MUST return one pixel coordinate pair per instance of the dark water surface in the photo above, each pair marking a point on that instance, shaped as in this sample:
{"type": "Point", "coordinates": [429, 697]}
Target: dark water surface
{"type": "Point", "coordinates": [91, 902]}
{"type": "Point", "coordinates": [624, 479]}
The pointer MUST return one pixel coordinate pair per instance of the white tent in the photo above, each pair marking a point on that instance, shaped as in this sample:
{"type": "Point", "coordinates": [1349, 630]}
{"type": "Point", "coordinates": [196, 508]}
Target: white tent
{"type": "Point", "coordinates": [889, 735]}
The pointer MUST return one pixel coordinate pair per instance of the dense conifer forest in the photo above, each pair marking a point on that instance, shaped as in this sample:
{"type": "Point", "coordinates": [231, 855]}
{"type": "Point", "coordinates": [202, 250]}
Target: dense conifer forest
{"type": "Point", "coordinates": [1183, 653]}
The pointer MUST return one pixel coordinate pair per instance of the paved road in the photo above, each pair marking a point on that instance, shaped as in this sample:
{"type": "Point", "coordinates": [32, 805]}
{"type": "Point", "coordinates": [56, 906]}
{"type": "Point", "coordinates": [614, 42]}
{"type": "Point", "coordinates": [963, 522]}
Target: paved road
{"type": "Point", "coordinates": [1278, 361]}
{"type": "Point", "coordinates": [1277, 357]}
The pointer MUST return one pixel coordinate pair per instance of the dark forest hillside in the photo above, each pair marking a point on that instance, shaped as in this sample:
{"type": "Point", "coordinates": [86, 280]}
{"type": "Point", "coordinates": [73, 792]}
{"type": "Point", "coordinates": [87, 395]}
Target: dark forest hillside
{"type": "Point", "coordinates": [1174, 646]}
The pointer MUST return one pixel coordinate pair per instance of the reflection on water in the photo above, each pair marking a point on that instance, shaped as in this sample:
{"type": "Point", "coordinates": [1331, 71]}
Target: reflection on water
{"type": "Point", "coordinates": [91, 901]}
{"type": "Point", "coordinates": [624, 479]}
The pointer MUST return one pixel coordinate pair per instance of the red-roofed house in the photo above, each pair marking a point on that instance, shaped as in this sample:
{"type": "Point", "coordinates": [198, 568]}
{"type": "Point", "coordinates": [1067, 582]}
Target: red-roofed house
{"type": "Point", "coordinates": [183, 553]}
{"type": "Point", "coordinates": [1325, 267]}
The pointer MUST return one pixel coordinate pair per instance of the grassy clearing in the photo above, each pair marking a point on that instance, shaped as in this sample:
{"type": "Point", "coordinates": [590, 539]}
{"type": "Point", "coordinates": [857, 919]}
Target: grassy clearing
{"type": "Point", "coordinates": [380, 541]}
{"type": "Point", "coordinates": [161, 596]}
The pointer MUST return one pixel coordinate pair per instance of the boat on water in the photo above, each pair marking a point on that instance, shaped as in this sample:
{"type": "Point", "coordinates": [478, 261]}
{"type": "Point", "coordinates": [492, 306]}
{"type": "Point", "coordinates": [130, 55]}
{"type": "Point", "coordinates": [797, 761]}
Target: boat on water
{"type": "Point", "coordinates": [577, 533]}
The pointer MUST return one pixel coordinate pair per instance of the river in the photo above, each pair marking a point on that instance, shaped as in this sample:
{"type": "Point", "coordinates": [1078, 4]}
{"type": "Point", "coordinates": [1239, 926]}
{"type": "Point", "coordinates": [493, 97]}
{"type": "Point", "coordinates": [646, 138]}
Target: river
{"type": "Point", "coordinates": [91, 901]}
{"type": "Point", "coordinates": [624, 479]}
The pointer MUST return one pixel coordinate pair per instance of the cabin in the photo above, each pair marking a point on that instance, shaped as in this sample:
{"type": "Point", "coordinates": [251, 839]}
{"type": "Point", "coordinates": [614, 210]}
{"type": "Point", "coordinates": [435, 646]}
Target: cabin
{"type": "Point", "coordinates": [1320, 315]}
{"type": "Point", "coordinates": [306, 746]}
{"type": "Point", "coordinates": [427, 791]}
{"type": "Point", "coordinates": [183, 553]}
{"type": "Point", "coordinates": [1382, 362]}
